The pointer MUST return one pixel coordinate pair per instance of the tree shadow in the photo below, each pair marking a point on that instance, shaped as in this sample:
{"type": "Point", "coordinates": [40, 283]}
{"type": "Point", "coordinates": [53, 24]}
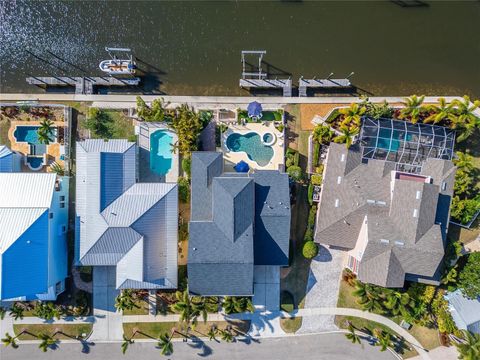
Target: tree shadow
{"type": "Point", "coordinates": [198, 343]}
{"type": "Point", "coordinates": [86, 345]}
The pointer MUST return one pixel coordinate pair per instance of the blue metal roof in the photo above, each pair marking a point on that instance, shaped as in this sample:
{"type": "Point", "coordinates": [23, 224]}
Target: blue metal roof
{"type": "Point", "coordinates": [111, 177]}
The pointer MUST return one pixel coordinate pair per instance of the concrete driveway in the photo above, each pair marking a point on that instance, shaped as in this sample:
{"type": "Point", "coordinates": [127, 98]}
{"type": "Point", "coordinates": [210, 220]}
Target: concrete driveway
{"type": "Point", "coordinates": [108, 322]}
{"type": "Point", "coordinates": [322, 288]}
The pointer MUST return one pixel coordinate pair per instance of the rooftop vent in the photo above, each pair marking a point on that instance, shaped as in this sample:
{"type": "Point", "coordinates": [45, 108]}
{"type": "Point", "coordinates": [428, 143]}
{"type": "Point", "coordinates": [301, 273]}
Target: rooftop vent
{"type": "Point", "coordinates": [399, 243]}
{"type": "Point", "coordinates": [385, 241]}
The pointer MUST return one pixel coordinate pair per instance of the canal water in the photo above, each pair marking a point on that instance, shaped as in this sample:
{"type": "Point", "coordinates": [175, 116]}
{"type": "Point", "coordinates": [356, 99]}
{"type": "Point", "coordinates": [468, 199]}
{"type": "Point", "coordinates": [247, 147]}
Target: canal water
{"type": "Point", "coordinates": [194, 47]}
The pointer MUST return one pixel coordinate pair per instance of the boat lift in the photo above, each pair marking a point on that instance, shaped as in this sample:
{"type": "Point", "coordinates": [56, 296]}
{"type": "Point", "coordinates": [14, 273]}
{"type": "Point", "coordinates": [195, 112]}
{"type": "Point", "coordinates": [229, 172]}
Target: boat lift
{"type": "Point", "coordinates": [117, 66]}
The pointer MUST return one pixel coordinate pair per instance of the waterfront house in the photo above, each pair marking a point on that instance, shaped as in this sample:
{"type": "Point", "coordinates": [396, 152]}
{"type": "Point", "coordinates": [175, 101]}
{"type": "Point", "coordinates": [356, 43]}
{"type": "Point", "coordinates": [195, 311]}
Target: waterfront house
{"type": "Point", "coordinates": [33, 228]}
{"type": "Point", "coordinates": [125, 228]}
{"type": "Point", "coordinates": [386, 201]}
{"type": "Point", "coordinates": [465, 312]}
{"type": "Point", "coordinates": [239, 222]}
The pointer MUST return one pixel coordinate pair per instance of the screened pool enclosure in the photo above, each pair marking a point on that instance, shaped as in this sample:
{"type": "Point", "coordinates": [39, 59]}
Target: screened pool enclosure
{"type": "Point", "coordinates": [406, 144]}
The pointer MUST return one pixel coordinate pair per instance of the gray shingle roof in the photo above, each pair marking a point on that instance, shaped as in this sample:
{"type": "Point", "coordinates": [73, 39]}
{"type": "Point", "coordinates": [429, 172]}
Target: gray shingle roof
{"type": "Point", "coordinates": [399, 213]}
{"type": "Point", "coordinates": [121, 223]}
{"type": "Point", "coordinates": [222, 242]}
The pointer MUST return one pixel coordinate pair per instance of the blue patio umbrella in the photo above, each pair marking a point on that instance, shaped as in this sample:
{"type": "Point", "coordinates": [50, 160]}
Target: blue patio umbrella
{"type": "Point", "coordinates": [242, 167]}
{"type": "Point", "coordinates": [254, 109]}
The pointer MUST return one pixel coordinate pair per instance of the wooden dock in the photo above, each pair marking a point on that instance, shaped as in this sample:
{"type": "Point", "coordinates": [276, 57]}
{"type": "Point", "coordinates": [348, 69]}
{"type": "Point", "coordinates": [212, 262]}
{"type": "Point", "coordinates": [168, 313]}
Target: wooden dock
{"type": "Point", "coordinates": [83, 85]}
{"type": "Point", "coordinates": [285, 84]}
{"type": "Point", "coordinates": [304, 84]}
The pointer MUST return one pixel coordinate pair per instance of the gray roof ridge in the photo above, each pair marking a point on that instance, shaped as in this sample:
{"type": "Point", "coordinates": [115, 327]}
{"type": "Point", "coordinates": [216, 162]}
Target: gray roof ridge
{"type": "Point", "coordinates": [133, 195]}
{"type": "Point", "coordinates": [140, 236]}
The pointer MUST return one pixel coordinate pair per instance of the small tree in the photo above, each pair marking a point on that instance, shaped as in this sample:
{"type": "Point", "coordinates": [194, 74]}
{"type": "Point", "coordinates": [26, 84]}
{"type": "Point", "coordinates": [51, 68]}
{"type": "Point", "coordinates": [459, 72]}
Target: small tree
{"type": "Point", "coordinates": [3, 311]}
{"type": "Point", "coordinates": [187, 166]}
{"type": "Point", "coordinates": [45, 131]}
{"type": "Point", "coordinates": [412, 108]}
{"type": "Point", "coordinates": [16, 311]}
{"type": "Point", "coordinates": [165, 343]}
{"type": "Point", "coordinates": [126, 343]}
{"type": "Point", "coordinates": [125, 300]}
{"type": "Point", "coordinates": [322, 134]}
{"type": "Point", "coordinates": [227, 335]}
{"type": "Point", "coordinates": [295, 173]}
{"type": "Point", "coordinates": [469, 349]}
{"type": "Point", "coordinates": [310, 250]}
{"type": "Point", "coordinates": [9, 340]}
{"type": "Point", "coordinates": [183, 189]}
{"type": "Point", "coordinates": [352, 335]}
{"type": "Point", "coordinates": [352, 114]}
{"type": "Point", "coordinates": [212, 332]}
{"type": "Point", "coordinates": [57, 169]}
{"type": "Point", "coordinates": [47, 342]}
{"type": "Point", "coordinates": [469, 279]}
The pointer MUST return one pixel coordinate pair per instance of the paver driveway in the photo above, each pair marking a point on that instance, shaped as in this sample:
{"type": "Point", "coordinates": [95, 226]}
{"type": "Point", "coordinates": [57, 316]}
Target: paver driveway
{"type": "Point", "coordinates": [322, 288]}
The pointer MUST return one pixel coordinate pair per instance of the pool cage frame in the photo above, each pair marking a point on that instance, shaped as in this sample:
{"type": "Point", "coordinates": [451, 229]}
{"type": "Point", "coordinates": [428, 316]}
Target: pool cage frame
{"type": "Point", "coordinates": [414, 142]}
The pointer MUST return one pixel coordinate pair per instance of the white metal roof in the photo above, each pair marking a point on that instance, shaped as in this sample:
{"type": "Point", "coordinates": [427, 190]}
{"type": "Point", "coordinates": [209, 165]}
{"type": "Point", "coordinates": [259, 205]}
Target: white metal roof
{"type": "Point", "coordinates": [26, 190]}
{"type": "Point", "coordinates": [4, 151]}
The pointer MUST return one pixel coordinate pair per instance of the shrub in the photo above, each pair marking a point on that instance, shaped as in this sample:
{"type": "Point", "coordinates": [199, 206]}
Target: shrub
{"type": "Point", "coordinates": [464, 210]}
{"type": "Point", "coordinates": [289, 162]}
{"type": "Point", "coordinates": [308, 235]}
{"type": "Point", "coordinates": [445, 321]}
{"type": "Point", "coordinates": [316, 153]}
{"type": "Point", "coordinates": [187, 165]}
{"type": "Point", "coordinates": [469, 279]}
{"type": "Point", "coordinates": [312, 215]}
{"type": "Point", "coordinates": [310, 250]}
{"type": "Point", "coordinates": [295, 173]}
{"type": "Point", "coordinates": [296, 158]}
{"type": "Point", "coordinates": [310, 194]}
{"type": "Point", "coordinates": [281, 127]}
{"type": "Point", "coordinates": [316, 179]}
{"type": "Point", "coordinates": [183, 189]}
{"type": "Point", "coordinates": [286, 301]}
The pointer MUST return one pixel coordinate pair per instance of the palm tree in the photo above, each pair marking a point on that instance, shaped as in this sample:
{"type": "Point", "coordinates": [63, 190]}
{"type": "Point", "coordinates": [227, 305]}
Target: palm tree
{"type": "Point", "coordinates": [212, 333]}
{"type": "Point", "coordinates": [232, 304]}
{"type": "Point", "coordinates": [352, 114]}
{"type": "Point", "coordinates": [322, 134]}
{"type": "Point", "coordinates": [188, 310]}
{"type": "Point", "coordinates": [126, 342]}
{"type": "Point", "coordinates": [57, 169]}
{"type": "Point", "coordinates": [47, 342]}
{"type": "Point", "coordinates": [413, 108]}
{"type": "Point", "coordinates": [469, 349]}
{"type": "Point", "coordinates": [441, 112]}
{"type": "Point", "coordinates": [125, 300]}
{"type": "Point", "coordinates": [463, 162]}
{"type": "Point", "coordinates": [227, 335]}
{"type": "Point", "coordinates": [369, 297]}
{"type": "Point", "coordinates": [384, 339]}
{"type": "Point", "coordinates": [352, 335]}
{"type": "Point", "coordinates": [466, 119]}
{"type": "Point", "coordinates": [347, 135]}
{"type": "Point", "coordinates": [16, 311]}
{"type": "Point", "coordinates": [9, 340]}
{"type": "Point", "coordinates": [45, 131]}
{"type": "Point", "coordinates": [165, 343]}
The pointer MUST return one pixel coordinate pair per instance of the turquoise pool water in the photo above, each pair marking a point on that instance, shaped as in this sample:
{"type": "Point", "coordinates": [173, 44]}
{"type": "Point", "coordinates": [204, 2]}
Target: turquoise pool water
{"type": "Point", "coordinates": [252, 144]}
{"type": "Point", "coordinates": [161, 152]}
{"type": "Point", "coordinates": [393, 144]}
{"type": "Point", "coordinates": [30, 134]}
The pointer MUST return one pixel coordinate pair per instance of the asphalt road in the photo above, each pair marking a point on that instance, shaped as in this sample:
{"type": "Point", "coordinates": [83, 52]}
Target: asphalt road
{"type": "Point", "coordinates": [318, 347]}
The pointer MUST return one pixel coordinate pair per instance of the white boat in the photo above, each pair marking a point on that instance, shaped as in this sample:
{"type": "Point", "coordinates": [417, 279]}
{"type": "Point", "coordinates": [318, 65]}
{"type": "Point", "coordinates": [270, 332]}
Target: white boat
{"type": "Point", "coordinates": [118, 67]}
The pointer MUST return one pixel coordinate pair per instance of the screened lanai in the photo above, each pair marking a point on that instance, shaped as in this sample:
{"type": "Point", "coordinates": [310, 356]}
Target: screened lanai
{"type": "Point", "coordinates": [406, 144]}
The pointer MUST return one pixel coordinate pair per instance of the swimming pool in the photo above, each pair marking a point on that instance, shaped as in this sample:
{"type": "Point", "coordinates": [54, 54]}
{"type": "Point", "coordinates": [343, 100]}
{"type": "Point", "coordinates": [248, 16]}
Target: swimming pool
{"type": "Point", "coordinates": [161, 152]}
{"type": "Point", "coordinates": [390, 142]}
{"type": "Point", "coordinates": [252, 145]}
{"type": "Point", "coordinates": [29, 134]}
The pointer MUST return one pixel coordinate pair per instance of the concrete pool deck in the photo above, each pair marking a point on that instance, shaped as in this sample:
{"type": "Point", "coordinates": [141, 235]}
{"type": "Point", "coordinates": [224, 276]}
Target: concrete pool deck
{"type": "Point", "coordinates": [260, 128]}
{"type": "Point", "coordinates": [53, 151]}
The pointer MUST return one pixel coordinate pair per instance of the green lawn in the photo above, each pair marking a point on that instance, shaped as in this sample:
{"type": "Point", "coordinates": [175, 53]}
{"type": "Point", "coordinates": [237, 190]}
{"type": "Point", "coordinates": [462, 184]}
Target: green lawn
{"type": "Point", "coordinates": [115, 124]}
{"type": "Point", "coordinates": [427, 337]}
{"type": "Point", "coordinates": [67, 330]}
{"type": "Point", "coordinates": [291, 325]}
{"type": "Point", "coordinates": [153, 330]}
{"type": "Point", "coordinates": [141, 308]}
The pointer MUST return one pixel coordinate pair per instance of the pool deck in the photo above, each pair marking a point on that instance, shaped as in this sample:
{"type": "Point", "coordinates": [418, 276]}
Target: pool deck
{"type": "Point", "coordinates": [260, 128]}
{"type": "Point", "coordinates": [52, 150]}
{"type": "Point", "coordinates": [145, 130]}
